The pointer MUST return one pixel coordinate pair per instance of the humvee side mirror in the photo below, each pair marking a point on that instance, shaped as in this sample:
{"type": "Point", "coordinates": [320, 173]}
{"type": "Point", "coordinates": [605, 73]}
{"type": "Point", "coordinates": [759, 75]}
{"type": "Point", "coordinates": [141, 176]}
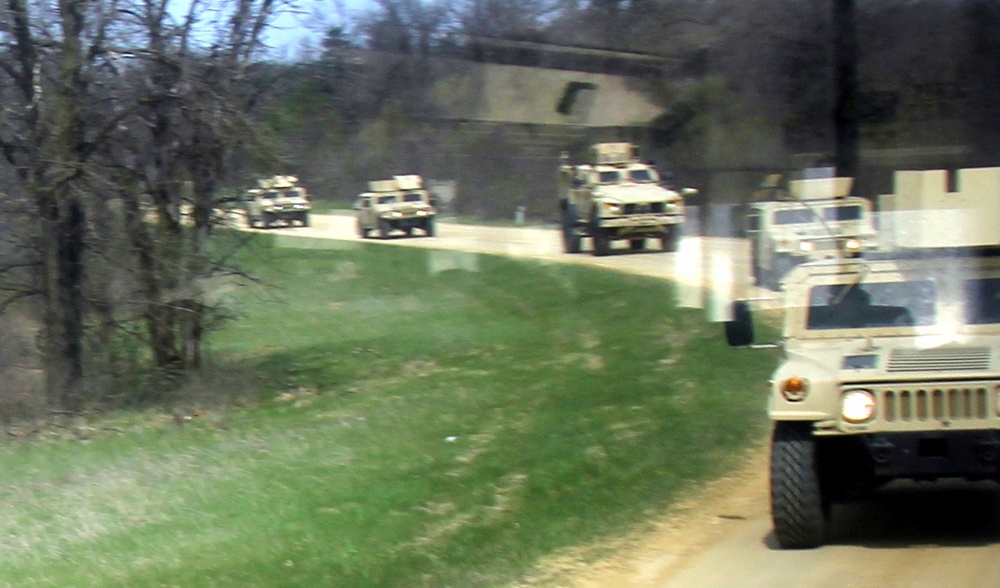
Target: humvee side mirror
{"type": "Point", "coordinates": [739, 330]}
{"type": "Point", "coordinates": [689, 191]}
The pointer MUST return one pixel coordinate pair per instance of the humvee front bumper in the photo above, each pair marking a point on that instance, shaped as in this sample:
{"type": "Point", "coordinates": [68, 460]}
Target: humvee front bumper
{"type": "Point", "coordinates": [923, 455]}
{"type": "Point", "coordinates": [648, 225]}
{"type": "Point", "coordinates": [406, 221]}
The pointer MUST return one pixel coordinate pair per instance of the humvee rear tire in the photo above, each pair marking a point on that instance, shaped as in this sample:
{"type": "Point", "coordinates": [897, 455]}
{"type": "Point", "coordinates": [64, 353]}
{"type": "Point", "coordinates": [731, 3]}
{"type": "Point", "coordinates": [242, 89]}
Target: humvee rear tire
{"type": "Point", "coordinates": [799, 509]}
{"type": "Point", "coordinates": [384, 228]}
{"type": "Point", "coordinates": [602, 243]}
{"type": "Point", "coordinates": [571, 238]}
{"type": "Point", "coordinates": [637, 244]}
{"type": "Point", "coordinates": [670, 240]}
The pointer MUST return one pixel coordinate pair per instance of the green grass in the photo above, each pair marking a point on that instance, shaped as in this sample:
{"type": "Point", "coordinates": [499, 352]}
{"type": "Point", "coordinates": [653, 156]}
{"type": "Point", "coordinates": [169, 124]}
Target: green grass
{"type": "Point", "coordinates": [409, 418]}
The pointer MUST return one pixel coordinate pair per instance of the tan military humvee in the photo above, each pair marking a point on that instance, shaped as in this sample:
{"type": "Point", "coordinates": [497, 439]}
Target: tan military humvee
{"type": "Point", "coordinates": [617, 197]}
{"type": "Point", "coordinates": [891, 363]}
{"type": "Point", "coordinates": [277, 199]}
{"type": "Point", "coordinates": [399, 204]}
{"type": "Point", "coordinates": [815, 219]}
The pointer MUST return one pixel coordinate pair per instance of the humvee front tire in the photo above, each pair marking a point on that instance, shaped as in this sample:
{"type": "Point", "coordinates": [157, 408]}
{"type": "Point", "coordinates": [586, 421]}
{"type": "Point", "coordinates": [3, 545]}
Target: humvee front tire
{"type": "Point", "coordinates": [304, 219]}
{"type": "Point", "coordinates": [637, 244]}
{"type": "Point", "coordinates": [670, 239]}
{"type": "Point", "coordinates": [571, 238]}
{"type": "Point", "coordinates": [602, 241]}
{"type": "Point", "coordinates": [268, 220]}
{"type": "Point", "coordinates": [384, 228]}
{"type": "Point", "coordinates": [362, 231]}
{"type": "Point", "coordinates": [429, 226]}
{"type": "Point", "coordinates": [799, 509]}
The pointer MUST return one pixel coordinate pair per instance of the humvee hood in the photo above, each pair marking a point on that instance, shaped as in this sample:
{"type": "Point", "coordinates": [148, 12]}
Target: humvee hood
{"type": "Point", "coordinates": [630, 193]}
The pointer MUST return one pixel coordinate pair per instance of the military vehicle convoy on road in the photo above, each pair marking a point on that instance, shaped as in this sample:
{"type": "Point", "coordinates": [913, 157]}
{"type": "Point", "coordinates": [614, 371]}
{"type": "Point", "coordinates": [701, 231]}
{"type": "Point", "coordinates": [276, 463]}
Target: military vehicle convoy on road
{"type": "Point", "coordinates": [615, 196]}
{"type": "Point", "coordinates": [398, 204]}
{"type": "Point", "coordinates": [278, 199]}
{"type": "Point", "coordinates": [891, 365]}
{"type": "Point", "coordinates": [813, 219]}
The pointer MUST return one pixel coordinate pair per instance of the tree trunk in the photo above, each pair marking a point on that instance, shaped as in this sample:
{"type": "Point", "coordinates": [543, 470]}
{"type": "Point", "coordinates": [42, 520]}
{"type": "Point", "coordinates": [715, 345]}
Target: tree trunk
{"type": "Point", "coordinates": [63, 217]}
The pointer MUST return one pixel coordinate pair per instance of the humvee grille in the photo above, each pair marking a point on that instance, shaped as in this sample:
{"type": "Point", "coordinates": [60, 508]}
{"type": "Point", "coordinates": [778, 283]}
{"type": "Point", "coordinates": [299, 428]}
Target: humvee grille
{"type": "Point", "coordinates": [939, 359]}
{"type": "Point", "coordinates": [935, 404]}
{"type": "Point", "coordinates": [644, 208]}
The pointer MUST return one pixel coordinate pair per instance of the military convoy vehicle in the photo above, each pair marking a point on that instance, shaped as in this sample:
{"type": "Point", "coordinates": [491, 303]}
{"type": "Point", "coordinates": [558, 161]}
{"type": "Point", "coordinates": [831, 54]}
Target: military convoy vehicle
{"type": "Point", "coordinates": [813, 219]}
{"type": "Point", "coordinates": [891, 364]}
{"type": "Point", "coordinates": [398, 204]}
{"type": "Point", "coordinates": [278, 199]}
{"type": "Point", "coordinates": [617, 197]}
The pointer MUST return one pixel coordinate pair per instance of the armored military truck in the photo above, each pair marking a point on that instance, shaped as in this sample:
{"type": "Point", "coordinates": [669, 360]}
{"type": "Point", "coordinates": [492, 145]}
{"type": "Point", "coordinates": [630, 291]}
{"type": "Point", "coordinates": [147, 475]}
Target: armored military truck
{"type": "Point", "coordinates": [891, 366]}
{"type": "Point", "coordinates": [617, 197]}
{"type": "Point", "coordinates": [278, 199]}
{"type": "Point", "coordinates": [398, 204]}
{"type": "Point", "coordinates": [813, 219]}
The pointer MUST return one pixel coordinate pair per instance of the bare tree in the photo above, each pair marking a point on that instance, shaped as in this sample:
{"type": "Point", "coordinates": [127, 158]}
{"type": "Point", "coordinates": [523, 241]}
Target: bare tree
{"type": "Point", "coordinates": [131, 102]}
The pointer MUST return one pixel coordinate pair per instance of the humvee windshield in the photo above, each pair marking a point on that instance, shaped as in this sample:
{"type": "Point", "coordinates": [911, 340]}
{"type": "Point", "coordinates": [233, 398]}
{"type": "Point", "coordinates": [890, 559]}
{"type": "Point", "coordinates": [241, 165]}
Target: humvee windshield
{"type": "Point", "coordinates": [842, 213]}
{"type": "Point", "coordinates": [871, 305]}
{"type": "Point", "coordinates": [793, 216]}
{"type": "Point", "coordinates": [270, 195]}
{"type": "Point", "coordinates": [386, 199]}
{"type": "Point", "coordinates": [641, 176]}
{"type": "Point", "coordinates": [981, 301]}
{"type": "Point", "coordinates": [290, 194]}
{"type": "Point", "coordinates": [610, 177]}
{"type": "Point", "coordinates": [413, 197]}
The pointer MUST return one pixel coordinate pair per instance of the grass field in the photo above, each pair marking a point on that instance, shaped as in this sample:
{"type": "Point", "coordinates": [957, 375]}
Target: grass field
{"type": "Point", "coordinates": [395, 417]}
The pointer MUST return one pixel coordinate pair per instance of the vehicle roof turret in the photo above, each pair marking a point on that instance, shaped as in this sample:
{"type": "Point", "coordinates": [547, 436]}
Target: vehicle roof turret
{"type": "Point", "coordinates": [278, 181]}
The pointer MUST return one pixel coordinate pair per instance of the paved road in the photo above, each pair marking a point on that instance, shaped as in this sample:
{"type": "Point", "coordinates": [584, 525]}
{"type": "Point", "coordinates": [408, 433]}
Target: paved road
{"type": "Point", "coordinates": [907, 536]}
{"type": "Point", "coordinates": [701, 264]}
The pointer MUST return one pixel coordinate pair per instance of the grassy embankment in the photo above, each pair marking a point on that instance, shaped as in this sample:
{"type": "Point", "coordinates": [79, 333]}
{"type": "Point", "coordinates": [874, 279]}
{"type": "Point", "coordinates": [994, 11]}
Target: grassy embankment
{"type": "Point", "coordinates": [409, 418]}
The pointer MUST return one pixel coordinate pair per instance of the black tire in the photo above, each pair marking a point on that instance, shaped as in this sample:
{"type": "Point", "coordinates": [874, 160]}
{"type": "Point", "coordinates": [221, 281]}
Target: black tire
{"type": "Point", "coordinates": [571, 238]}
{"type": "Point", "coordinates": [268, 220]}
{"type": "Point", "coordinates": [408, 231]}
{"type": "Point", "coordinates": [362, 231]}
{"type": "Point", "coordinates": [670, 240]}
{"type": "Point", "coordinates": [429, 226]}
{"type": "Point", "coordinates": [602, 243]}
{"type": "Point", "coordinates": [799, 509]}
{"type": "Point", "coordinates": [384, 228]}
{"type": "Point", "coordinates": [304, 219]}
{"type": "Point", "coordinates": [637, 244]}
{"type": "Point", "coordinates": [251, 221]}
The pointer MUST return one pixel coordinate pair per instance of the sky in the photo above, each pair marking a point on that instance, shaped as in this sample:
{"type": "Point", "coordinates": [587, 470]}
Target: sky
{"type": "Point", "coordinates": [301, 23]}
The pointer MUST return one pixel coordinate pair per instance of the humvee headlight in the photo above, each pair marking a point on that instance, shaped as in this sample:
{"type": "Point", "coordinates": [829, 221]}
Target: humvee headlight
{"type": "Point", "coordinates": [857, 406]}
{"type": "Point", "coordinates": [612, 208]}
{"type": "Point", "coordinates": [794, 389]}
{"type": "Point", "coordinates": [806, 246]}
{"type": "Point", "coordinates": [421, 212]}
{"type": "Point", "coordinates": [396, 214]}
{"type": "Point", "coordinates": [852, 244]}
